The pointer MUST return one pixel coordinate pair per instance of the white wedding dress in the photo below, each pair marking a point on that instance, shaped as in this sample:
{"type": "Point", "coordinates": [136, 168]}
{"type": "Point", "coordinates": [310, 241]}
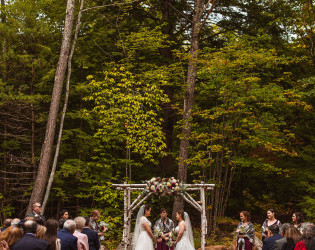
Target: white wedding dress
{"type": "Point", "coordinates": [184, 243]}
{"type": "Point", "coordinates": [144, 241]}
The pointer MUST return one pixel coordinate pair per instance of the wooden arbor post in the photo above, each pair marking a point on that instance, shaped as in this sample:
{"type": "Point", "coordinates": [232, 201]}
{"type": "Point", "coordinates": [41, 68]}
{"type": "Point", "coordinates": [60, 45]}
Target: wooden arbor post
{"type": "Point", "coordinates": [143, 196]}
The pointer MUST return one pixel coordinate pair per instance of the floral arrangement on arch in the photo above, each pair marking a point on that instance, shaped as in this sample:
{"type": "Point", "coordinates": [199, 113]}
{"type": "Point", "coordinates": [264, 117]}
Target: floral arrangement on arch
{"type": "Point", "coordinates": [164, 186]}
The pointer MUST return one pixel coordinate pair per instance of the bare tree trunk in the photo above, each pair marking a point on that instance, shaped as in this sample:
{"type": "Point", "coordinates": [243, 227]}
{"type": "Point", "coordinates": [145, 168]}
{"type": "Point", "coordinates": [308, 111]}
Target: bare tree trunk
{"type": "Point", "coordinates": [53, 170]}
{"type": "Point", "coordinates": [188, 101]}
{"type": "Point", "coordinates": [43, 168]}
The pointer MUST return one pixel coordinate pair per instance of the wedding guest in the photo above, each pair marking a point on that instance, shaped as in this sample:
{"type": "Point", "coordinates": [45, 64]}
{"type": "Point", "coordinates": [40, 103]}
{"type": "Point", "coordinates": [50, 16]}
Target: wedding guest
{"type": "Point", "coordinates": [51, 235]}
{"type": "Point", "coordinates": [271, 220]}
{"type": "Point", "coordinates": [6, 224]}
{"type": "Point", "coordinates": [279, 243]}
{"type": "Point", "coordinates": [292, 235]}
{"type": "Point", "coordinates": [95, 215]}
{"type": "Point", "coordinates": [29, 241]}
{"type": "Point", "coordinates": [15, 222]}
{"type": "Point", "coordinates": [273, 235]}
{"type": "Point", "coordinates": [36, 211]}
{"type": "Point", "coordinates": [68, 241]}
{"type": "Point", "coordinates": [304, 241]}
{"type": "Point", "coordinates": [297, 219]}
{"type": "Point", "coordinates": [64, 214]}
{"type": "Point", "coordinates": [166, 225]}
{"type": "Point", "coordinates": [40, 232]}
{"type": "Point", "coordinates": [11, 235]}
{"type": "Point", "coordinates": [83, 243]}
{"type": "Point", "coordinates": [94, 243]}
{"type": "Point", "coordinates": [245, 232]}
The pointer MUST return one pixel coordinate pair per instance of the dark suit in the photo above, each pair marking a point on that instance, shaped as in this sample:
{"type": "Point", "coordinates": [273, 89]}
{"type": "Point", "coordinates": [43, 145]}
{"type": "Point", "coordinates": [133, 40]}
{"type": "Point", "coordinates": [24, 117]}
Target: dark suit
{"type": "Point", "coordinates": [30, 242]}
{"type": "Point", "coordinates": [34, 215]}
{"type": "Point", "coordinates": [94, 243]}
{"type": "Point", "coordinates": [311, 245]}
{"type": "Point", "coordinates": [269, 243]}
{"type": "Point", "coordinates": [68, 241]}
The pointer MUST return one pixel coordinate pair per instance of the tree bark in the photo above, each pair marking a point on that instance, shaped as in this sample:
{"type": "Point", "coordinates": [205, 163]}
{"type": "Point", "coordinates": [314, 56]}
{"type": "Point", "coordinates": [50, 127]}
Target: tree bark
{"type": "Point", "coordinates": [188, 101]}
{"type": "Point", "coordinates": [53, 170]}
{"type": "Point", "coordinates": [43, 168]}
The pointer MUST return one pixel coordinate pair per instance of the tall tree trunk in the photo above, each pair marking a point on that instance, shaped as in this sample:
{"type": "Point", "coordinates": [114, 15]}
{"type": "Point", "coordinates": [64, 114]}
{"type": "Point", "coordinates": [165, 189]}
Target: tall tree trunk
{"type": "Point", "coordinates": [64, 110]}
{"type": "Point", "coordinates": [188, 101]}
{"type": "Point", "coordinates": [43, 168]}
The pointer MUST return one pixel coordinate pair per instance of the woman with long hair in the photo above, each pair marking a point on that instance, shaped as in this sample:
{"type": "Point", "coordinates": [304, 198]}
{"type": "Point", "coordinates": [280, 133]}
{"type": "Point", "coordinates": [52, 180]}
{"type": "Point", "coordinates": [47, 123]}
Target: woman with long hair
{"type": "Point", "coordinates": [51, 234]}
{"type": "Point", "coordinates": [10, 236]}
{"type": "Point", "coordinates": [297, 219]}
{"type": "Point", "coordinates": [292, 234]}
{"type": "Point", "coordinates": [271, 220]}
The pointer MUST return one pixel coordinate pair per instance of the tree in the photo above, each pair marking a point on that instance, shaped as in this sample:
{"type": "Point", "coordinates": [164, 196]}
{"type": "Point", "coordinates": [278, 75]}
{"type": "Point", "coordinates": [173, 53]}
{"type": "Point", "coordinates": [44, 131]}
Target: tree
{"type": "Point", "coordinates": [43, 168]}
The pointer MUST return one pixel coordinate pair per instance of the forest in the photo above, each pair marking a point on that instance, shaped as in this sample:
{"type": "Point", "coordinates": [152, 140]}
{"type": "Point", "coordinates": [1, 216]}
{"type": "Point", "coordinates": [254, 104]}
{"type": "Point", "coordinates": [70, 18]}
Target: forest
{"type": "Point", "coordinates": [96, 92]}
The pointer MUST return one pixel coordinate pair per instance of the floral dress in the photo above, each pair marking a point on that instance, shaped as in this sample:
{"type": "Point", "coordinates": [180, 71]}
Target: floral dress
{"type": "Point", "coordinates": [247, 242]}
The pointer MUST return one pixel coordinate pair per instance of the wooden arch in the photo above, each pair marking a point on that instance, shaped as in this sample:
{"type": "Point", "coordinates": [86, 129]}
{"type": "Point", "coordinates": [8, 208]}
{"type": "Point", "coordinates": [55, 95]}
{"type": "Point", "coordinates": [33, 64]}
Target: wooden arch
{"type": "Point", "coordinates": [130, 207]}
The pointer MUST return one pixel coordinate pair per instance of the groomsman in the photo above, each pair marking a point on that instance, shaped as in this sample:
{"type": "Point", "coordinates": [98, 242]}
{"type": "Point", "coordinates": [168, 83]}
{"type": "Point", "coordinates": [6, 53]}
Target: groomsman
{"type": "Point", "coordinates": [36, 213]}
{"type": "Point", "coordinates": [166, 225]}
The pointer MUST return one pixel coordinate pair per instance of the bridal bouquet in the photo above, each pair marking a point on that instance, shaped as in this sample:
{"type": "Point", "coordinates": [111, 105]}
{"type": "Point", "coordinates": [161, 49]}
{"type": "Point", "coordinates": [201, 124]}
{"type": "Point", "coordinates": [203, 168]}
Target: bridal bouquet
{"type": "Point", "coordinates": [241, 230]}
{"type": "Point", "coordinates": [172, 238]}
{"type": "Point", "coordinates": [103, 227]}
{"type": "Point", "coordinates": [157, 233]}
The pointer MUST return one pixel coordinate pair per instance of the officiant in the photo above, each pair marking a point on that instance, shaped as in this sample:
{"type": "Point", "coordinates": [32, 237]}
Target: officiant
{"type": "Point", "coordinates": [166, 225]}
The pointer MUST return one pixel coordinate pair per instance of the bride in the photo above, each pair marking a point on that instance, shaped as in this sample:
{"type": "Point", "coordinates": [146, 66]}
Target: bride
{"type": "Point", "coordinates": [143, 237]}
{"type": "Point", "coordinates": [185, 239]}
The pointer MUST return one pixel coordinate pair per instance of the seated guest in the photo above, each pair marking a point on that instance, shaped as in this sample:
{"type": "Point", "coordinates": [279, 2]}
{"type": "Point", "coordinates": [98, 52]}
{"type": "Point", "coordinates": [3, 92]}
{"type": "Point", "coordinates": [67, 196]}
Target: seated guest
{"type": "Point", "coordinates": [40, 232]}
{"type": "Point", "coordinates": [29, 241]}
{"type": "Point", "coordinates": [51, 235]}
{"type": "Point", "coordinates": [36, 211]}
{"type": "Point", "coordinates": [7, 223]}
{"type": "Point", "coordinates": [11, 235]}
{"type": "Point", "coordinates": [94, 243]}
{"type": "Point", "coordinates": [83, 243]}
{"type": "Point", "coordinates": [273, 235]}
{"type": "Point", "coordinates": [279, 243]}
{"type": "Point", "coordinates": [68, 241]}
{"type": "Point", "coordinates": [304, 241]}
{"type": "Point", "coordinates": [292, 234]}
{"type": "Point", "coordinates": [15, 222]}
{"type": "Point", "coordinates": [311, 246]}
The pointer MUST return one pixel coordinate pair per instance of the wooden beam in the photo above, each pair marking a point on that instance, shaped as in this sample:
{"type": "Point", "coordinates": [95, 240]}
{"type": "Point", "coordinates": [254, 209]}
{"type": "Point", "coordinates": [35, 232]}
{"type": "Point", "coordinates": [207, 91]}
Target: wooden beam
{"type": "Point", "coordinates": [191, 203]}
{"type": "Point", "coordinates": [144, 199]}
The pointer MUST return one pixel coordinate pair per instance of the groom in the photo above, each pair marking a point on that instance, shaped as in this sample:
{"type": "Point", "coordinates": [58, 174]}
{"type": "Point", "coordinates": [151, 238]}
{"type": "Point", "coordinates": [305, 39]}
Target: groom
{"type": "Point", "coordinates": [166, 225]}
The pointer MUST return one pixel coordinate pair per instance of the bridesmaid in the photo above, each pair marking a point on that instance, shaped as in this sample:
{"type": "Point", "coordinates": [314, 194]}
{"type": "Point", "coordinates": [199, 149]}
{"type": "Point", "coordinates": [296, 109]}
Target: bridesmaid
{"type": "Point", "coordinates": [271, 220]}
{"type": "Point", "coordinates": [297, 220]}
{"type": "Point", "coordinates": [245, 232]}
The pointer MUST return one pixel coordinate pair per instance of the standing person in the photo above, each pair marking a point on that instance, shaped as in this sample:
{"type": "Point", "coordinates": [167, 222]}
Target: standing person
{"type": "Point", "coordinates": [185, 239]}
{"type": "Point", "coordinates": [11, 235]}
{"type": "Point", "coordinates": [271, 220]}
{"type": "Point", "coordinates": [245, 232]}
{"type": "Point", "coordinates": [292, 235]}
{"type": "Point", "coordinates": [29, 240]}
{"type": "Point", "coordinates": [273, 235]}
{"type": "Point", "coordinates": [7, 223]}
{"type": "Point", "coordinates": [68, 241]}
{"type": "Point", "coordinates": [279, 243]}
{"type": "Point", "coordinates": [166, 225]}
{"type": "Point", "coordinates": [64, 214]}
{"type": "Point", "coordinates": [297, 219]}
{"type": "Point", "coordinates": [83, 243]}
{"type": "Point", "coordinates": [36, 211]}
{"type": "Point", "coordinates": [51, 235]}
{"type": "Point", "coordinates": [143, 237]}
{"type": "Point", "coordinates": [94, 243]}
{"type": "Point", "coordinates": [95, 215]}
